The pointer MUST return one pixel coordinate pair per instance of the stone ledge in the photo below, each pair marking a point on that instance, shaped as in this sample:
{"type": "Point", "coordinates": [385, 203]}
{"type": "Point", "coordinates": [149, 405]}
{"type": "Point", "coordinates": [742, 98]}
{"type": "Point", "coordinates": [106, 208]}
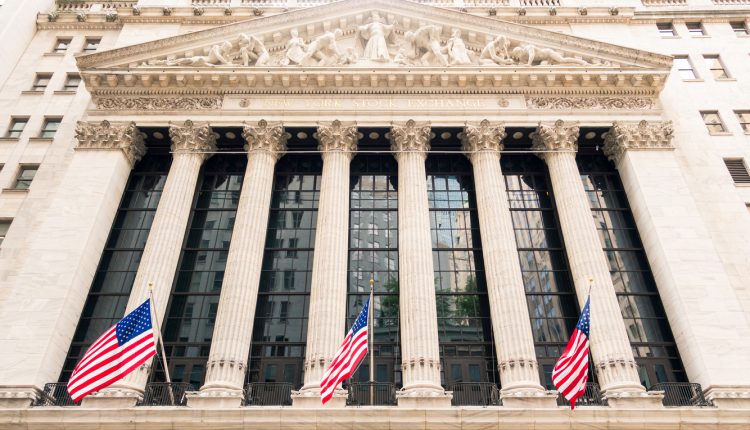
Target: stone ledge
{"type": "Point", "coordinates": [467, 418]}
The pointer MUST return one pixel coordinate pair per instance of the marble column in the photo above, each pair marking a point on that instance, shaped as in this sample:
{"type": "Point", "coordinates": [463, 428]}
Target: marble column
{"type": "Point", "coordinates": [420, 350]}
{"type": "Point", "coordinates": [191, 145]}
{"type": "Point", "coordinates": [50, 265]}
{"type": "Point", "coordinates": [693, 283]}
{"type": "Point", "coordinates": [514, 341]}
{"type": "Point", "coordinates": [230, 345]}
{"type": "Point", "coordinates": [326, 326]}
{"type": "Point", "coordinates": [615, 366]}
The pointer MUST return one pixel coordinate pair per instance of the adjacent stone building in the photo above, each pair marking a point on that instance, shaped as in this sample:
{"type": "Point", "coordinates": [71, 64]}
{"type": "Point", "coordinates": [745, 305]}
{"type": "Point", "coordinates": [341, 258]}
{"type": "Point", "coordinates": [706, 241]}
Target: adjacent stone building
{"type": "Point", "coordinates": [488, 165]}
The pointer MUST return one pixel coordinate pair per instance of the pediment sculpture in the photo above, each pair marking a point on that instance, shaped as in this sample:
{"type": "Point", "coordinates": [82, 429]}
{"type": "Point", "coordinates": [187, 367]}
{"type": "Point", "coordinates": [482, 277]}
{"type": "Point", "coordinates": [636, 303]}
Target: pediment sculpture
{"type": "Point", "coordinates": [375, 42]}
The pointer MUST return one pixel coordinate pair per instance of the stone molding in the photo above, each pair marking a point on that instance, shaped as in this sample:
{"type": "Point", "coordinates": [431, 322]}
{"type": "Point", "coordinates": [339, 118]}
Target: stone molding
{"type": "Point", "coordinates": [624, 136]}
{"type": "Point", "coordinates": [18, 397]}
{"type": "Point", "coordinates": [410, 137]}
{"type": "Point", "coordinates": [606, 103]}
{"type": "Point", "coordinates": [192, 138]}
{"type": "Point", "coordinates": [483, 137]}
{"type": "Point", "coordinates": [265, 137]}
{"type": "Point", "coordinates": [555, 137]}
{"type": "Point", "coordinates": [107, 136]}
{"type": "Point", "coordinates": [337, 137]}
{"type": "Point", "coordinates": [124, 103]}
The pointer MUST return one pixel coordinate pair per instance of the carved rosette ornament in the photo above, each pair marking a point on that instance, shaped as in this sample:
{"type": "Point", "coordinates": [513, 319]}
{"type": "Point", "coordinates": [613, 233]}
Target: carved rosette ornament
{"type": "Point", "coordinates": [483, 137]}
{"type": "Point", "coordinates": [265, 137]}
{"type": "Point", "coordinates": [410, 137]}
{"type": "Point", "coordinates": [106, 136]}
{"type": "Point", "coordinates": [192, 138]}
{"type": "Point", "coordinates": [337, 137]}
{"type": "Point", "coordinates": [556, 137]}
{"type": "Point", "coordinates": [625, 136]}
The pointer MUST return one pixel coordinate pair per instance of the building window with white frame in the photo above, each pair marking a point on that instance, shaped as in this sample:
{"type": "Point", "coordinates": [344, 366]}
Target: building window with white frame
{"type": "Point", "coordinates": [716, 66]}
{"type": "Point", "coordinates": [62, 44]}
{"type": "Point", "coordinates": [743, 116]}
{"type": "Point", "coordinates": [16, 127]}
{"type": "Point", "coordinates": [4, 227]}
{"type": "Point", "coordinates": [26, 174]}
{"type": "Point", "coordinates": [713, 122]}
{"type": "Point", "coordinates": [41, 80]}
{"type": "Point", "coordinates": [685, 68]}
{"type": "Point", "coordinates": [740, 28]}
{"type": "Point", "coordinates": [695, 28]}
{"type": "Point", "coordinates": [666, 29]}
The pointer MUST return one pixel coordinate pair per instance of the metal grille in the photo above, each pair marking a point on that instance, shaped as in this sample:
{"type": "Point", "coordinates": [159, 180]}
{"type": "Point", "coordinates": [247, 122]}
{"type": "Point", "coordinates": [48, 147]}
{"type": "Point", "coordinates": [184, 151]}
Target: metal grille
{"type": "Point", "coordinates": [55, 394]}
{"type": "Point", "coordinates": [166, 394]}
{"type": "Point", "coordinates": [371, 394]}
{"type": "Point", "coordinates": [592, 397]}
{"type": "Point", "coordinates": [738, 170]}
{"type": "Point", "coordinates": [268, 394]}
{"type": "Point", "coordinates": [681, 394]}
{"type": "Point", "coordinates": [475, 394]}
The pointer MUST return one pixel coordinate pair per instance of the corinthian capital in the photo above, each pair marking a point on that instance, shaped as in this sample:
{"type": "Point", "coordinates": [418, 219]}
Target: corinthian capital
{"type": "Point", "coordinates": [556, 137]}
{"type": "Point", "coordinates": [192, 138]}
{"type": "Point", "coordinates": [265, 137]}
{"type": "Point", "coordinates": [410, 137]}
{"type": "Point", "coordinates": [106, 136]}
{"type": "Point", "coordinates": [483, 137]}
{"type": "Point", "coordinates": [337, 137]}
{"type": "Point", "coordinates": [625, 136]}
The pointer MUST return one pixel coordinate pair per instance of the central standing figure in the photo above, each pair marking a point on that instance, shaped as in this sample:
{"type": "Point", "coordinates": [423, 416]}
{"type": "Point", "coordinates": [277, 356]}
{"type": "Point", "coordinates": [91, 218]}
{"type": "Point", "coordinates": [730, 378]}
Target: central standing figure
{"type": "Point", "coordinates": [375, 34]}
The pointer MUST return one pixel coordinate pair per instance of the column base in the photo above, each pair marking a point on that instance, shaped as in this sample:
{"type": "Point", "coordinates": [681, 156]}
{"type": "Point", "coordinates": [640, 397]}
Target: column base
{"type": "Point", "coordinates": [729, 397]}
{"type": "Point", "coordinates": [112, 398]}
{"type": "Point", "coordinates": [634, 399]}
{"type": "Point", "coordinates": [529, 399]}
{"type": "Point", "coordinates": [310, 398]}
{"type": "Point", "coordinates": [18, 397]}
{"type": "Point", "coordinates": [424, 397]}
{"type": "Point", "coordinates": [215, 398]}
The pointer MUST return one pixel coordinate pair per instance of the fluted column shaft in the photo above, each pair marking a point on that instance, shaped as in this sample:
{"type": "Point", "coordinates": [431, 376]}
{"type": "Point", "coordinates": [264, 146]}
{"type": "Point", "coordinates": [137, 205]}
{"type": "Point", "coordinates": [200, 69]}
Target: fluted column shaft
{"type": "Point", "coordinates": [514, 340]}
{"type": "Point", "coordinates": [191, 145]}
{"type": "Point", "coordinates": [227, 361]}
{"type": "Point", "coordinates": [420, 349]}
{"type": "Point", "coordinates": [326, 325]}
{"type": "Point", "coordinates": [610, 346]}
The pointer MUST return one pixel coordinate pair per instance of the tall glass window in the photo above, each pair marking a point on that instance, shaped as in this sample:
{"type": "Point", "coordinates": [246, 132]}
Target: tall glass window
{"type": "Point", "coordinates": [549, 288]}
{"type": "Point", "coordinates": [280, 329]}
{"type": "Point", "coordinates": [194, 301]}
{"type": "Point", "coordinates": [465, 334]}
{"type": "Point", "coordinates": [373, 251]}
{"type": "Point", "coordinates": [114, 277]}
{"type": "Point", "coordinates": [645, 320]}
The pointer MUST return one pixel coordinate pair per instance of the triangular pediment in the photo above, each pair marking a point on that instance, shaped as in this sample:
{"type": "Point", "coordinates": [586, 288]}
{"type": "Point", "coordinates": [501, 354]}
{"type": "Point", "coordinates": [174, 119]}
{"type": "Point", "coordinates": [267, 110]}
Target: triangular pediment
{"type": "Point", "coordinates": [344, 44]}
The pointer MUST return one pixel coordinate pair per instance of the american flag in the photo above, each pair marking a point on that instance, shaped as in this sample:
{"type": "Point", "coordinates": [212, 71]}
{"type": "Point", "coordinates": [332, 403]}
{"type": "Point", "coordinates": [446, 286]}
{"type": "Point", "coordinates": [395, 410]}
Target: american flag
{"type": "Point", "coordinates": [117, 352]}
{"type": "Point", "coordinates": [571, 370]}
{"type": "Point", "coordinates": [346, 360]}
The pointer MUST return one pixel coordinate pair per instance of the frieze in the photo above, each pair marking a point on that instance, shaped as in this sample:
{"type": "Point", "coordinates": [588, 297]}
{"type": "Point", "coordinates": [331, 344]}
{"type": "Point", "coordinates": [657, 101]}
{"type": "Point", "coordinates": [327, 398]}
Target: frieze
{"type": "Point", "coordinates": [160, 103]}
{"type": "Point", "coordinates": [606, 103]}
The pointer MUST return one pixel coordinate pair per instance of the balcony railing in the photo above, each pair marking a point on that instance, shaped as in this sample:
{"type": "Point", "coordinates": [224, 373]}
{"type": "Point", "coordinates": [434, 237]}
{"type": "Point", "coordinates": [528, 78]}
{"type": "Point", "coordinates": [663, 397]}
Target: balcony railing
{"type": "Point", "coordinates": [371, 394]}
{"type": "Point", "coordinates": [592, 397]}
{"type": "Point", "coordinates": [475, 394]}
{"type": "Point", "coordinates": [55, 394]}
{"type": "Point", "coordinates": [166, 394]}
{"type": "Point", "coordinates": [681, 394]}
{"type": "Point", "coordinates": [268, 394]}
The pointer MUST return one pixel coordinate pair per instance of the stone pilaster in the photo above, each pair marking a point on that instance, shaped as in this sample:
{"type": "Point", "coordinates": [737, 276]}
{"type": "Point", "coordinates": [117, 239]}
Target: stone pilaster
{"type": "Point", "coordinates": [420, 352]}
{"type": "Point", "coordinates": [514, 341]}
{"type": "Point", "coordinates": [679, 246]}
{"type": "Point", "coordinates": [327, 316]}
{"type": "Point", "coordinates": [615, 366]}
{"type": "Point", "coordinates": [191, 145]}
{"type": "Point", "coordinates": [230, 346]}
{"type": "Point", "coordinates": [49, 257]}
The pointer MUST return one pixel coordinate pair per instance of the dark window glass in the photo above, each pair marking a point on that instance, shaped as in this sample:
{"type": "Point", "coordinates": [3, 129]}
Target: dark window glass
{"type": "Point", "coordinates": [41, 81]}
{"type": "Point", "coordinates": [122, 254]}
{"type": "Point", "coordinates": [191, 312]}
{"type": "Point", "coordinates": [91, 45]}
{"type": "Point", "coordinates": [4, 227]}
{"type": "Point", "coordinates": [373, 253]}
{"type": "Point", "coordinates": [71, 82]}
{"type": "Point", "coordinates": [645, 320]}
{"type": "Point", "coordinates": [713, 121]}
{"type": "Point", "coordinates": [695, 28]}
{"type": "Point", "coordinates": [464, 326]}
{"type": "Point", "coordinates": [50, 128]}
{"type": "Point", "coordinates": [549, 288]}
{"type": "Point", "coordinates": [666, 29]}
{"type": "Point", "coordinates": [739, 28]}
{"type": "Point", "coordinates": [62, 44]}
{"type": "Point", "coordinates": [25, 175]}
{"type": "Point", "coordinates": [16, 127]}
{"type": "Point", "coordinates": [280, 328]}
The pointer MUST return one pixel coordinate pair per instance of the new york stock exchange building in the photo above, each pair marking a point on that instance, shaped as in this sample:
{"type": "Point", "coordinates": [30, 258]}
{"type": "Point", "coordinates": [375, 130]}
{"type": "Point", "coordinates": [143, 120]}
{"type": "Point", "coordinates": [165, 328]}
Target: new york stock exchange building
{"type": "Point", "coordinates": [253, 164]}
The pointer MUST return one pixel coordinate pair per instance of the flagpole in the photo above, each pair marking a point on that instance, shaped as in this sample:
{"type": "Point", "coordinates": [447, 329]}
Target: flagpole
{"type": "Point", "coordinates": [159, 340]}
{"type": "Point", "coordinates": [371, 334]}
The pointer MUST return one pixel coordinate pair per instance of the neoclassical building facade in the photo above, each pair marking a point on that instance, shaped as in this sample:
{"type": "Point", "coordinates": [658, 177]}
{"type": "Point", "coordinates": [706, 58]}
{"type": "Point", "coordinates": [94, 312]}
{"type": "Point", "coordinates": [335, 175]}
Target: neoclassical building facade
{"type": "Point", "coordinates": [487, 166]}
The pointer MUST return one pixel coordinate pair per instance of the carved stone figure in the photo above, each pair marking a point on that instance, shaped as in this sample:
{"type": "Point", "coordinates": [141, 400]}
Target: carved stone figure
{"type": "Point", "coordinates": [252, 51]}
{"type": "Point", "coordinates": [217, 55]}
{"type": "Point", "coordinates": [324, 50]}
{"type": "Point", "coordinates": [496, 52]}
{"type": "Point", "coordinates": [295, 49]}
{"type": "Point", "coordinates": [422, 47]}
{"type": "Point", "coordinates": [457, 52]}
{"type": "Point", "coordinates": [375, 36]}
{"type": "Point", "coordinates": [531, 55]}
